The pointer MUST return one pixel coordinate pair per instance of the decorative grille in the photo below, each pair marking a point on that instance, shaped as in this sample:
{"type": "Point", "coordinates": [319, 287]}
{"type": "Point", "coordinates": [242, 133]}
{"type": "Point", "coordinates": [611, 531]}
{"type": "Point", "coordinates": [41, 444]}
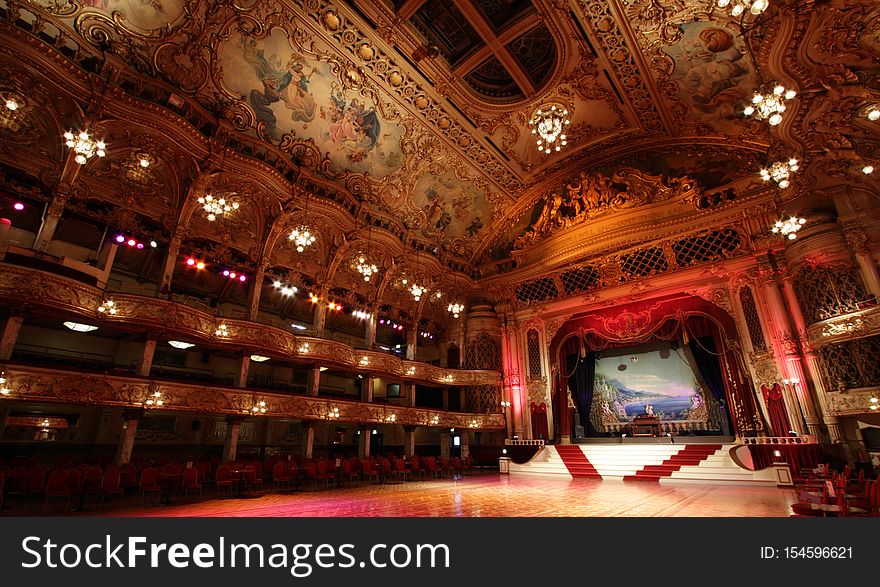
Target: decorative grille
{"type": "Point", "coordinates": [643, 263]}
{"type": "Point", "coordinates": [712, 246]}
{"type": "Point", "coordinates": [533, 343]}
{"type": "Point", "coordinates": [753, 321]}
{"type": "Point", "coordinates": [584, 278]}
{"type": "Point", "coordinates": [826, 291]}
{"type": "Point", "coordinates": [852, 364]}
{"type": "Point", "coordinates": [537, 290]}
{"type": "Point", "coordinates": [483, 399]}
{"type": "Point", "coordinates": [483, 352]}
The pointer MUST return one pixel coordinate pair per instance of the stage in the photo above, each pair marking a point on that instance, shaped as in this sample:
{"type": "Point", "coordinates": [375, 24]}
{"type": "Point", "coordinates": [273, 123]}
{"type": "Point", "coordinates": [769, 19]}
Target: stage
{"type": "Point", "coordinates": [657, 440]}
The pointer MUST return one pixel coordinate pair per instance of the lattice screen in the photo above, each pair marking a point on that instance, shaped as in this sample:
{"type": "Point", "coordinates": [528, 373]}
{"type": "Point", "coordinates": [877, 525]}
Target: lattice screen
{"type": "Point", "coordinates": [537, 290]}
{"type": "Point", "coordinates": [711, 246]}
{"type": "Point", "coordinates": [483, 352]}
{"type": "Point", "coordinates": [644, 262]}
{"type": "Point", "coordinates": [852, 364]}
{"type": "Point", "coordinates": [533, 344]}
{"type": "Point", "coordinates": [483, 399]}
{"type": "Point", "coordinates": [826, 291]}
{"type": "Point", "coordinates": [584, 278]}
{"type": "Point", "coordinates": [753, 321]}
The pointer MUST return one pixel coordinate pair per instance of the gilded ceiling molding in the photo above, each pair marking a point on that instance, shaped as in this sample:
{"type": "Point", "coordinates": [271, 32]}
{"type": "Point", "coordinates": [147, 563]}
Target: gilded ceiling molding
{"type": "Point", "coordinates": [56, 386]}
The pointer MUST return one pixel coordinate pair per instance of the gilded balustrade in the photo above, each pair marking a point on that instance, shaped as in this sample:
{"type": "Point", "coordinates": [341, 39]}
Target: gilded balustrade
{"type": "Point", "coordinates": [68, 387]}
{"type": "Point", "coordinates": [19, 285]}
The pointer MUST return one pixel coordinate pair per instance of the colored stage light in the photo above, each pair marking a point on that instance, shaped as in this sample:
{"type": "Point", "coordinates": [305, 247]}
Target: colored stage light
{"type": "Point", "coordinates": [140, 245]}
{"type": "Point", "coordinates": [190, 261]}
{"type": "Point", "coordinates": [226, 273]}
{"type": "Point", "coordinates": [18, 206]}
{"type": "Point", "coordinates": [200, 265]}
{"type": "Point", "coordinates": [131, 242]}
{"type": "Point", "coordinates": [120, 239]}
{"type": "Point", "coordinates": [241, 278]}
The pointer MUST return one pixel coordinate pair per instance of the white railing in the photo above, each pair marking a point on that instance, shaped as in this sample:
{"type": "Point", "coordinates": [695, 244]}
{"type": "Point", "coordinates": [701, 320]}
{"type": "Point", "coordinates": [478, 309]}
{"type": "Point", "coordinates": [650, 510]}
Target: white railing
{"type": "Point", "coordinates": [529, 442]}
{"type": "Point", "coordinates": [805, 439]}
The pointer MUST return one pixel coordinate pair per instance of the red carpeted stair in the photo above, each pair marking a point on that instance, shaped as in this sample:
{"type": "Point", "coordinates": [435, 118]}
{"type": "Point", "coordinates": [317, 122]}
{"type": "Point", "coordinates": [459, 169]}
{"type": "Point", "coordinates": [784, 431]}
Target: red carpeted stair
{"type": "Point", "coordinates": [692, 454]}
{"type": "Point", "coordinates": [576, 461]}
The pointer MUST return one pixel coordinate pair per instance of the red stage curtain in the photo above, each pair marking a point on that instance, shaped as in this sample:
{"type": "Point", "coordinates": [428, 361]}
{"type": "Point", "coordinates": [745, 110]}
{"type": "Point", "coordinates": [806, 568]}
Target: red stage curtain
{"type": "Point", "coordinates": [539, 421]}
{"type": "Point", "coordinates": [779, 421]}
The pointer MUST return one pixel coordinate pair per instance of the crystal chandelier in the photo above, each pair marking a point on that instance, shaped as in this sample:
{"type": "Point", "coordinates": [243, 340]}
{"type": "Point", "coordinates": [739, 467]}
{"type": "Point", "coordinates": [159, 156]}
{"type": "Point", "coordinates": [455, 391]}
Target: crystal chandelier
{"type": "Point", "coordinates": [416, 291]}
{"type": "Point", "coordinates": [216, 206]}
{"type": "Point", "coordinates": [364, 268]}
{"type": "Point", "coordinates": [11, 112]}
{"type": "Point", "coordinates": [780, 172]}
{"type": "Point", "coordinates": [84, 146]}
{"type": "Point", "coordinates": [756, 7]}
{"type": "Point", "coordinates": [302, 238]}
{"type": "Point", "coordinates": [548, 125]}
{"type": "Point", "coordinates": [769, 104]}
{"type": "Point", "coordinates": [455, 309]}
{"type": "Point", "coordinates": [789, 227]}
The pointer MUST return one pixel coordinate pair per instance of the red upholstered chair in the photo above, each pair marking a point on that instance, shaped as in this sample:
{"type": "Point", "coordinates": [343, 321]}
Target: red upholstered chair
{"type": "Point", "coordinates": [281, 474]}
{"type": "Point", "coordinates": [35, 482]}
{"type": "Point", "coordinates": [223, 478]}
{"type": "Point", "coordinates": [191, 481]}
{"type": "Point", "coordinates": [149, 483]}
{"type": "Point", "coordinates": [91, 480]}
{"type": "Point", "coordinates": [401, 471]}
{"type": "Point", "coordinates": [252, 478]}
{"type": "Point", "coordinates": [369, 470]}
{"type": "Point", "coordinates": [432, 468]}
{"type": "Point", "coordinates": [348, 471]}
{"type": "Point", "coordinates": [74, 481]}
{"type": "Point", "coordinates": [323, 472]}
{"type": "Point", "coordinates": [129, 477]}
{"type": "Point", "coordinates": [58, 486]}
{"type": "Point", "coordinates": [110, 483]}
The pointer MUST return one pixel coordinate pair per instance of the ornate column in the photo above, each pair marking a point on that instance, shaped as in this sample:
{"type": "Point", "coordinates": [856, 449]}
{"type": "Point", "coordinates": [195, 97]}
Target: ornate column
{"type": "Point", "coordinates": [320, 318]}
{"type": "Point", "coordinates": [409, 440]}
{"type": "Point", "coordinates": [411, 394]}
{"type": "Point", "coordinates": [412, 337]}
{"type": "Point", "coordinates": [130, 419]}
{"type": "Point", "coordinates": [171, 261]}
{"type": "Point", "coordinates": [242, 370]}
{"type": "Point", "coordinates": [308, 440]}
{"type": "Point", "coordinates": [10, 335]}
{"type": "Point", "coordinates": [255, 292]}
{"type": "Point", "coordinates": [147, 358]}
{"type": "Point", "coordinates": [364, 441]}
{"type": "Point", "coordinates": [230, 446]}
{"type": "Point", "coordinates": [443, 349]}
{"type": "Point", "coordinates": [53, 215]}
{"type": "Point", "coordinates": [444, 445]}
{"type": "Point", "coordinates": [370, 336]}
{"type": "Point", "coordinates": [313, 381]}
{"type": "Point", "coordinates": [858, 240]}
{"type": "Point", "coordinates": [367, 388]}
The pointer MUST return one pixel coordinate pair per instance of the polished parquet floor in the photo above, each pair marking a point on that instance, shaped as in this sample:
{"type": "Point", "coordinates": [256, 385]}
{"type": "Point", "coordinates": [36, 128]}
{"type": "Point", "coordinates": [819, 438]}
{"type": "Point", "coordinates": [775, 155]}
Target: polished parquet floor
{"type": "Point", "coordinates": [491, 496]}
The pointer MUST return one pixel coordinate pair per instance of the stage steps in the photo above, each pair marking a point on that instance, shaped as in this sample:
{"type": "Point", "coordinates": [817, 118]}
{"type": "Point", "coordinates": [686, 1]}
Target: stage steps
{"type": "Point", "coordinates": [576, 461]}
{"type": "Point", "coordinates": [691, 455]}
{"type": "Point", "coordinates": [617, 461]}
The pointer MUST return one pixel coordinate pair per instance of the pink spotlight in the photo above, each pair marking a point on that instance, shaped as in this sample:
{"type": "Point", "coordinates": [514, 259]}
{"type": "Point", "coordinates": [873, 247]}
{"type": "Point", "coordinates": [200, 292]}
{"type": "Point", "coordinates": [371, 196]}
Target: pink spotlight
{"type": "Point", "coordinates": [241, 277]}
{"type": "Point", "coordinates": [120, 239]}
{"type": "Point", "coordinates": [226, 273]}
{"type": "Point", "coordinates": [140, 245]}
{"type": "Point", "coordinates": [131, 242]}
{"type": "Point", "coordinates": [18, 206]}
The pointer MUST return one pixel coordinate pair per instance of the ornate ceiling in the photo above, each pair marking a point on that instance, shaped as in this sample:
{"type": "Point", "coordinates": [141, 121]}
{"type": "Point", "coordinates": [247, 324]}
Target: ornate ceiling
{"type": "Point", "coordinates": [411, 116]}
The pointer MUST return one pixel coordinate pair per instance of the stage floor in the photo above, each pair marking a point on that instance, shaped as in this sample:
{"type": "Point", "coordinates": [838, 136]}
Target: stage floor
{"type": "Point", "coordinates": [493, 496]}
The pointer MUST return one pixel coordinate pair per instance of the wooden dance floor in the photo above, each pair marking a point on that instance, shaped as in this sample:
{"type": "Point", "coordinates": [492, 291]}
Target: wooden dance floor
{"type": "Point", "coordinates": [491, 496]}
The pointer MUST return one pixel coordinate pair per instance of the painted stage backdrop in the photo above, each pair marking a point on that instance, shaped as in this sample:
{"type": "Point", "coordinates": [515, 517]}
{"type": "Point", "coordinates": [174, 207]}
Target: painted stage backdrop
{"type": "Point", "coordinates": [291, 93]}
{"type": "Point", "coordinates": [657, 382]}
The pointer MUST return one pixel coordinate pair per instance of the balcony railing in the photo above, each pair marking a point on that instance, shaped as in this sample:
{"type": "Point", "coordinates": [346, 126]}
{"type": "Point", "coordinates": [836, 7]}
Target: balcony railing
{"type": "Point", "coordinates": [48, 291]}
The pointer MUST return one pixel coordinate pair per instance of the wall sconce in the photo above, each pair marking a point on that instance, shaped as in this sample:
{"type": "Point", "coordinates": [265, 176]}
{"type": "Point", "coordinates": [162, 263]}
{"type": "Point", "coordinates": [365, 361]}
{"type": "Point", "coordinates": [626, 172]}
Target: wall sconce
{"type": "Point", "coordinates": [259, 408]}
{"type": "Point", "coordinates": [221, 330]}
{"type": "Point", "coordinates": [107, 308]}
{"type": "Point", "coordinates": [4, 387]}
{"type": "Point", "coordinates": [304, 348]}
{"type": "Point", "coordinates": [154, 400]}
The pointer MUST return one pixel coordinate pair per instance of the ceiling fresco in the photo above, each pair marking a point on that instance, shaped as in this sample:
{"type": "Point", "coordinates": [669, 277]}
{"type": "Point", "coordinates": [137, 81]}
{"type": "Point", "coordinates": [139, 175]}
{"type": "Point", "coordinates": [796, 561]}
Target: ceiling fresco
{"type": "Point", "coordinates": [412, 116]}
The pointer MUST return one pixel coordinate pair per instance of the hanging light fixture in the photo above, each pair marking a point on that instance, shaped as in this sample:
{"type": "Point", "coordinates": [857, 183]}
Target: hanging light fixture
{"type": "Point", "coordinates": [217, 206]}
{"type": "Point", "coordinates": [737, 7]}
{"type": "Point", "coordinates": [365, 268]}
{"type": "Point", "coordinates": [780, 172]}
{"type": "Point", "coordinates": [789, 227]}
{"type": "Point", "coordinates": [769, 103]}
{"type": "Point", "coordinates": [873, 403]}
{"type": "Point", "coordinates": [455, 309]}
{"type": "Point", "coordinates": [548, 125]}
{"type": "Point", "coordinates": [11, 113]}
{"type": "Point", "coordinates": [417, 291]}
{"type": "Point", "coordinates": [84, 146]}
{"type": "Point", "coordinates": [303, 236]}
